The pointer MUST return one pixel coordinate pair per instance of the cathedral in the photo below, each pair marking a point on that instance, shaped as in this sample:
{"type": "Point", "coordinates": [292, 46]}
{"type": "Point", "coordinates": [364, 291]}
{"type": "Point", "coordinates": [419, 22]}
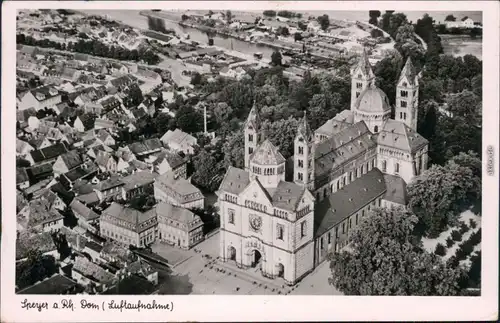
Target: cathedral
{"type": "Point", "coordinates": [356, 161]}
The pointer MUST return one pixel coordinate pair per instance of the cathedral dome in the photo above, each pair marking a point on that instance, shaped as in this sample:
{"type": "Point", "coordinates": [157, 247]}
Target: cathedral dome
{"type": "Point", "coordinates": [373, 100]}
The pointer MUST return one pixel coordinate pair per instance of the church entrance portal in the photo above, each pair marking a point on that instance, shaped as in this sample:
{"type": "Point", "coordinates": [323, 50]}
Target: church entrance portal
{"type": "Point", "coordinates": [257, 257]}
{"type": "Point", "coordinates": [281, 270]}
{"type": "Point", "coordinates": [231, 252]}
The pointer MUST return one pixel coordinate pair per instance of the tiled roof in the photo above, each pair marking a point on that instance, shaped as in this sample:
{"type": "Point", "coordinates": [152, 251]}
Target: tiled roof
{"type": "Point", "coordinates": [396, 189]}
{"type": "Point", "coordinates": [304, 128]}
{"type": "Point", "coordinates": [235, 181]}
{"type": "Point", "coordinates": [93, 246]}
{"type": "Point", "coordinates": [39, 212]}
{"type": "Point", "coordinates": [90, 269]}
{"type": "Point", "coordinates": [48, 152]}
{"type": "Point", "coordinates": [178, 214]}
{"type": "Point", "coordinates": [373, 100]}
{"type": "Point", "coordinates": [55, 285]}
{"type": "Point", "coordinates": [44, 92]}
{"type": "Point", "coordinates": [341, 121]}
{"type": "Point", "coordinates": [286, 195]}
{"type": "Point", "coordinates": [138, 179]}
{"type": "Point", "coordinates": [348, 200]}
{"type": "Point", "coordinates": [26, 241]}
{"type": "Point", "coordinates": [104, 123]}
{"type": "Point", "coordinates": [177, 136]}
{"type": "Point", "coordinates": [111, 182]}
{"type": "Point", "coordinates": [72, 159]}
{"type": "Point", "coordinates": [82, 171]}
{"type": "Point", "coordinates": [114, 249]}
{"type": "Point", "coordinates": [253, 118]}
{"type": "Point", "coordinates": [341, 147]}
{"type": "Point", "coordinates": [267, 154]}
{"type": "Point", "coordinates": [21, 175]}
{"type": "Point", "coordinates": [398, 135]}
{"type": "Point", "coordinates": [135, 219]}
{"type": "Point", "coordinates": [173, 158]}
{"type": "Point", "coordinates": [88, 198]}
{"type": "Point", "coordinates": [82, 210]}
{"type": "Point", "coordinates": [147, 145]}
{"type": "Point", "coordinates": [180, 185]}
{"type": "Point", "coordinates": [364, 65]}
{"type": "Point", "coordinates": [408, 71]}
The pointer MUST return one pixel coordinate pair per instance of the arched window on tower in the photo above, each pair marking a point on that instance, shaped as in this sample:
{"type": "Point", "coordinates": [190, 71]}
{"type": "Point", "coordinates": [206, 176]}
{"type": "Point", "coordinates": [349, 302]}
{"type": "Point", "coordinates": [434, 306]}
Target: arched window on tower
{"type": "Point", "coordinates": [375, 129]}
{"type": "Point", "coordinates": [250, 137]}
{"type": "Point", "coordinates": [384, 166]}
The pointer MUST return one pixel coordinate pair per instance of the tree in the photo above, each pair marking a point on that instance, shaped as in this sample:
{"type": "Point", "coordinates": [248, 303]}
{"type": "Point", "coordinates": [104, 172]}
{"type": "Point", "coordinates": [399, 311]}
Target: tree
{"type": "Point", "coordinates": [233, 150]}
{"type": "Point", "coordinates": [269, 13]}
{"type": "Point", "coordinates": [222, 112]}
{"type": "Point", "coordinates": [184, 17]}
{"type": "Point", "coordinates": [374, 15]}
{"type": "Point", "coordinates": [302, 26]}
{"type": "Point", "coordinates": [464, 104]}
{"type": "Point", "coordinates": [440, 250]}
{"type": "Point", "coordinates": [383, 261]}
{"type": "Point", "coordinates": [440, 194]}
{"type": "Point", "coordinates": [196, 78]}
{"type": "Point", "coordinates": [375, 33]}
{"type": "Point", "coordinates": [229, 16]}
{"type": "Point", "coordinates": [282, 134]}
{"type": "Point", "coordinates": [188, 119]}
{"type": "Point", "coordinates": [324, 21]}
{"type": "Point", "coordinates": [276, 58]}
{"type": "Point", "coordinates": [206, 171]}
{"type": "Point", "coordinates": [34, 269]}
{"type": "Point", "coordinates": [282, 31]}
{"type": "Point", "coordinates": [297, 36]}
{"type": "Point", "coordinates": [450, 18]}
{"type": "Point", "coordinates": [387, 72]}
{"type": "Point", "coordinates": [135, 96]}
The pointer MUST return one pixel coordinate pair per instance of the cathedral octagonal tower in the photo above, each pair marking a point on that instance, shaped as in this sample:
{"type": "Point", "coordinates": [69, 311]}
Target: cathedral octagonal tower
{"type": "Point", "coordinates": [268, 164]}
{"type": "Point", "coordinates": [372, 107]}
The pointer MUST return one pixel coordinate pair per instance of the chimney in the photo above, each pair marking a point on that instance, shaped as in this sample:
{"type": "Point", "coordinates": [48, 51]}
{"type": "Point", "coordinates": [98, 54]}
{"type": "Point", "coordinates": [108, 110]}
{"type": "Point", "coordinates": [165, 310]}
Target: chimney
{"type": "Point", "coordinates": [205, 118]}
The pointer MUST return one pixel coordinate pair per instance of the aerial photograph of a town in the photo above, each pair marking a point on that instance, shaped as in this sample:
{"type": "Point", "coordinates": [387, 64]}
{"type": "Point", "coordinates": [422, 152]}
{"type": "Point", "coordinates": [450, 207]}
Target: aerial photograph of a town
{"type": "Point", "coordinates": [268, 152]}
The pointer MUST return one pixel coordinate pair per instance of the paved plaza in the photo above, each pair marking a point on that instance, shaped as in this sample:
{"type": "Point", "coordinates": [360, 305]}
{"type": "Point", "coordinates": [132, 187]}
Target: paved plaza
{"type": "Point", "coordinates": [208, 275]}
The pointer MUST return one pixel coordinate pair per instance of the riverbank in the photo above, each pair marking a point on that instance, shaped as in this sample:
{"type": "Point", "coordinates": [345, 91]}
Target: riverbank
{"type": "Point", "coordinates": [461, 45]}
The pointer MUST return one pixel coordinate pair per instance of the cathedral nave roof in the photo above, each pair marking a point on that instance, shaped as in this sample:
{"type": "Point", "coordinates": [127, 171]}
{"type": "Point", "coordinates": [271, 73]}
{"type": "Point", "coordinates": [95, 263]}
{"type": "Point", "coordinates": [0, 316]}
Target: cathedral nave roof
{"type": "Point", "coordinates": [338, 206]}
{"type": "Point", "coordinates": [338, 123]}
{"type": "Point", "coordinates": [342, 147]}
{"type": "Point", "coordinates": [397, 134]}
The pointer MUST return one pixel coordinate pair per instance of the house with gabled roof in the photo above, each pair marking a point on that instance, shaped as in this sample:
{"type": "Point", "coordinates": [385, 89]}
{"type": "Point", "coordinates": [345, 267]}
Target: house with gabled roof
{"type": "Point", "coordinates": [42, 242]}
{"type": "Point", "coordinates": [40, 98]}
{"type": "Point", "coordinates": [146, 147]}
{"type": "Point", "coordinates": [137, 183]}
{"type": "Point", "coordinates": [67, 162]}
{"type": "Point", "coordinates": [106, 162]}
{"type": "Point", "coordinates": [47, 154]}
{"type": "Point", "coordinates": [179, 141]}
{"type": "Point", "coordinates": [166, 161]}
{"type": "Point", "coordinates": [39, 216]}
{"type": "Point", "coordinates": [109, 189]}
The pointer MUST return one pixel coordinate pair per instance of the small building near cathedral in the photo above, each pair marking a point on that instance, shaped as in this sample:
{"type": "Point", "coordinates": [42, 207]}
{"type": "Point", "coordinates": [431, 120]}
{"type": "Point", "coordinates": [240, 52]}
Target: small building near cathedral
{"type": "Point", "coordinates": [357, 161]}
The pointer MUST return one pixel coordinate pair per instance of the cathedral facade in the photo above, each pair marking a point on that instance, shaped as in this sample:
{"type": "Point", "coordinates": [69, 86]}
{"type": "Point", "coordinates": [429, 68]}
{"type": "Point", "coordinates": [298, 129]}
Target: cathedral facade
{"type": "Point", "coordinates": [356, 161]}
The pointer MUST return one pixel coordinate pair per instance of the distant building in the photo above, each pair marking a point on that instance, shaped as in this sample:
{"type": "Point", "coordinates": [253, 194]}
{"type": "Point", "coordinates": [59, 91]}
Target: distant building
{"type": "Point", "coordinates": [39, 216]}
{"type": "Point", "coordinates": [109, 189]}
{"type": "Point", "coordinates": [179, 141]}
{"type": "Point", "coordinates": [178, 191]}
{"type": "Point", "coordinates": [40, 98]}
{"type": "Point", "coordinates": [128, 226]}
{"type": "Point", "coordinates": [170, 161]}
{"type": "Point", "coordinates": [138, 183]}
{"type": "Point", "coordinates": [178, 226]}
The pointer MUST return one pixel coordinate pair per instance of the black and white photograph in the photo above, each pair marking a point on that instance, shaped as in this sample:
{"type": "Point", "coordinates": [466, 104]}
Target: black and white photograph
{"type": "Point", "coordinates": [229, 150]}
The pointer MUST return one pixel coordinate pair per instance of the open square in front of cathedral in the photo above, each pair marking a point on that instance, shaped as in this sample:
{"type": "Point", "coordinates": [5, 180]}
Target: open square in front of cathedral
{"type": "Point", "coordinates": [209, 275]}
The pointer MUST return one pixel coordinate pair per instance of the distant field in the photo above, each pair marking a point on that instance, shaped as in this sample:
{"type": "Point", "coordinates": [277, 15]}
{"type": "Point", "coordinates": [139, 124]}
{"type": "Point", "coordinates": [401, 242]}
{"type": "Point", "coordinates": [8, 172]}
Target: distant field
{"type": "Point", "coordinates": [462, 45]}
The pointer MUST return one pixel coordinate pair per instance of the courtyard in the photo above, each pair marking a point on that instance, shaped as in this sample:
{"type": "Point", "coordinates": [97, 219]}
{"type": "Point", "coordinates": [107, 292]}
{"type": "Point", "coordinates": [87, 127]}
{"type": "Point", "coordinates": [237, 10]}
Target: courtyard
{"type": "Point", "coordinates": [203, 273]}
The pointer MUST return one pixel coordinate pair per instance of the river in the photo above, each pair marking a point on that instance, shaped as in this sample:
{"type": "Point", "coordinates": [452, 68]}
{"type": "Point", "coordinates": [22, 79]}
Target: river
{"type": "Point", "coordinates": [134, 19]}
